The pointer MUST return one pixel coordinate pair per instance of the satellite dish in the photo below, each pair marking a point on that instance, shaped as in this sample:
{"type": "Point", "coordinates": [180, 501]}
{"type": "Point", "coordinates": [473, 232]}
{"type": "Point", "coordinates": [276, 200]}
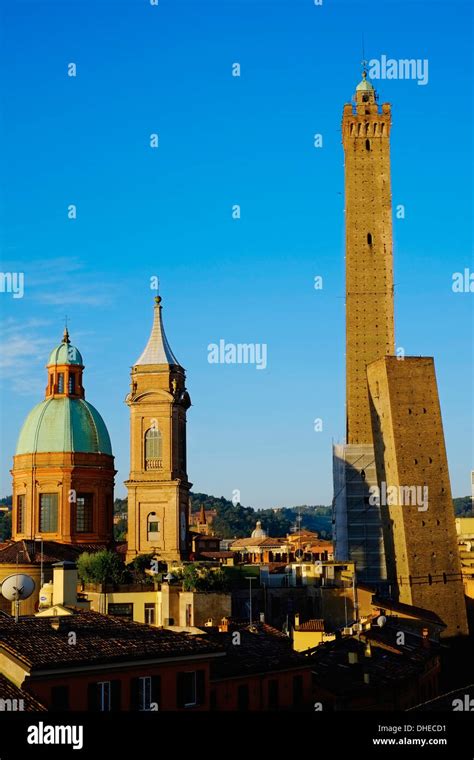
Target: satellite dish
{"type": "Point", "coordinates": [17, 587]}
{"type": "Point", "coordinates": [381, 620]}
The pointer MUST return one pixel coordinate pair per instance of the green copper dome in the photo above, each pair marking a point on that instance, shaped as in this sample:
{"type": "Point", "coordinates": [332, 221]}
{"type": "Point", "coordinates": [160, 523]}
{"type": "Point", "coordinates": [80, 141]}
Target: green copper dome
{"type": "Point", "coordinates": [64, 424]}
{"type": "Point", "coordinates": [365, 84]}
{"type": "Point", "coordinates": [65, 354]}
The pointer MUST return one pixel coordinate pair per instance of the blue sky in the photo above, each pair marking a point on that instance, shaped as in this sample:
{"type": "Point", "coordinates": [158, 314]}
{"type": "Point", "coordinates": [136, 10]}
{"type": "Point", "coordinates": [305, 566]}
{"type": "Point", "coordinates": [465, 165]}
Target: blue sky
{"type": "Point", "coordinates": [225, 140]}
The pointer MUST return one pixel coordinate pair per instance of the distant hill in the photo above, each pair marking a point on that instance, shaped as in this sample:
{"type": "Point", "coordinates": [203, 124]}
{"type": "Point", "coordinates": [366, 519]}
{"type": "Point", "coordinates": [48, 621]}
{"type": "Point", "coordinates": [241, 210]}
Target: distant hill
{"type": "Point", "coordinates": [239, 521]}
{"type": "Point", "coordinates": [463, 507]}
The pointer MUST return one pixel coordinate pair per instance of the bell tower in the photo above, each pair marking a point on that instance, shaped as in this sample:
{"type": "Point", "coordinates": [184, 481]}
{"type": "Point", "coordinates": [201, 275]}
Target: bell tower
{"type": "Point", "coordinates": [158, 486]}
{"type": "Point", "coordinates": [366, 127]}
{"type": "Point", "coordinates": [369, 277]}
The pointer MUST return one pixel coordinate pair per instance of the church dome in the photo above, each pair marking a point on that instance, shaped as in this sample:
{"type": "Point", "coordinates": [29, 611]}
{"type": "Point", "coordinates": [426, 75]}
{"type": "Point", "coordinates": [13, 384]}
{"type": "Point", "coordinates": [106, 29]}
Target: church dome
{"type": "Point", "coordinates": [64, 424]}
{"type": "Point", "coordinates": [258, 532]}
{"type": "Point", "coordinates": [65, 353]}
{"type": "Point", "coordinates": [365, 85]}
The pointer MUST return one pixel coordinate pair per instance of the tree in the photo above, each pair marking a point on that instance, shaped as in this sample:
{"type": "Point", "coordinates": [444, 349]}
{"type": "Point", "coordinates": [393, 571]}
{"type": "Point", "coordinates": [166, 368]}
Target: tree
{"type": "Point", "coordinates": [190, 577]}
{"type": "Point", "coordinates": [100, 567]}
{"type": "Point", "coordinates": [138, 566]}
{"type": "Point", "coordinates": [5, 526]}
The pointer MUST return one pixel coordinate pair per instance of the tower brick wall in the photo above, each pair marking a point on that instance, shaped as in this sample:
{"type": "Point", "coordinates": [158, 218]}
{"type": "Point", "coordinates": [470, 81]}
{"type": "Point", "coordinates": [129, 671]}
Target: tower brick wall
{"type": "Point", "coordinates": [369, 275]}
{"type": "Point", "coordinates": [418, 518]}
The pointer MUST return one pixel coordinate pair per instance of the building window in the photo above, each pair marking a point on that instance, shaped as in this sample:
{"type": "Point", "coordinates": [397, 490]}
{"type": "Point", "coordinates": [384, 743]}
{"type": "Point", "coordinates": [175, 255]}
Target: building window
{"type": "Point", "coordinates": [182, 445]}
{"type": "Point", "coordinates": [145, 693]}
{"type": "Point", "coordinates": [104, 696]}
{"type": "Point", "coordinates": [72, 384]}
{"type": "Point", "coordinates": [243, 698]}
{"type": "Point", "coordinates": [189, 615]}
{"type": "Point", "coordinates": [48, 513]}
{"type": "Point", "coordinates": [190, 688]}
{"type": "Point", "coordinates": [121, 609]}
{"type": "Point", "coordinates": [153, 449]}
{"type": "Point", "coordinates": [369, 238]}
{"type": "Point", "coordinates": [61, 382]}
{"type": "Point", "coordinates": [20, 513]}
{"type": "Point", "coordinates": [297, 690]}
{"type": "Point", "coordinates": [213, 700]}
{"type": "Point", "coordinates": [84, 512]}
{"type": "Point", "coordinates": [153, 527]}
{"type": "Point", "coordinates": [59, 698]}
{"type": "Point", "coordinates": [150, 614]}
{"type": "Point", "coordinates": [367, 144]}
{"type": "Point", "coordinates": [273, 694]}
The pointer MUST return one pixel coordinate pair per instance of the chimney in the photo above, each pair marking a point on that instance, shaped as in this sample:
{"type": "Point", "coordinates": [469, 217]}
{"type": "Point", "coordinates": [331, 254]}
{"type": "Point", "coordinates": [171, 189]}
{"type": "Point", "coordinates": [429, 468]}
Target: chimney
{"type": "Point", "coordinates": [297, 620]}
{"type": "Point", "coordinates": [368, 650]}
{"type": "Point", "coordinates": [366, 678]}
{"type": "Point", "coordinates": [224, 625]}
{"type": "Point", "coordinates": [353, 659]}
{"type": "Point", "coordinates": [65, 583]}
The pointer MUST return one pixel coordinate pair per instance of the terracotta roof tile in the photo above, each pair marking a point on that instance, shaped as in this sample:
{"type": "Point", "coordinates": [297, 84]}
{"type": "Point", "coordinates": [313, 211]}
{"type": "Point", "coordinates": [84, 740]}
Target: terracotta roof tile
{"type": "Point", "coordinates": [100, 639]}
{"type": "Point", "coordinates": [311, 626]}
{"type": "Point", "coordinates": [8, 690]}
{"type": "Point", "coordinates": [52, 551]}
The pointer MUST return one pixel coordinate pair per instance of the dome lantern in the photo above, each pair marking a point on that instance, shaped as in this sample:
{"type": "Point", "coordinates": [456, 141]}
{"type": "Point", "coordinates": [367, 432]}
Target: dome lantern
{"type": "Point", "coordinates": [65, 366]}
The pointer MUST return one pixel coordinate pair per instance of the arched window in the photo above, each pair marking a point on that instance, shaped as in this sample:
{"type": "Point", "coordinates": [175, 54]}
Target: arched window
{"type": "Point", "coordinates": [367, 144]}
{"type": "Point", "coordinates": [72, 384]}
{"type": "Point", "coordinates": [61, 382]}
{"type": "Point", "coordinates": [153, 449]}
{"type": "Point", "coordinates": [152, 527]}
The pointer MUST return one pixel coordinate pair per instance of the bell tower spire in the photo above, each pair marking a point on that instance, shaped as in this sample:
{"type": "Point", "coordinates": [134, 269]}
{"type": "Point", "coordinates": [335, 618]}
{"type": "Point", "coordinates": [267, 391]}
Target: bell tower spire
{"type": "Point", "coordinates": [158, 486]}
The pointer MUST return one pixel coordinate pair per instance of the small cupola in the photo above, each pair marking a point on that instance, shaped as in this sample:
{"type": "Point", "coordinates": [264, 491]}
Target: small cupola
{"type": "Point", "coordinates": [65, 367]}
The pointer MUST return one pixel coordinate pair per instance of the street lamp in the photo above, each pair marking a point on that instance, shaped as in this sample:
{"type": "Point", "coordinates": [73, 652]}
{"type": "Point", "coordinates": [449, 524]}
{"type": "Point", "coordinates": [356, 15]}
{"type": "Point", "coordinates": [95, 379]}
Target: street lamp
{"type": "Point", "coordinates": [17, 600]}
{"type": "Point", "coordinates": [250, 578]}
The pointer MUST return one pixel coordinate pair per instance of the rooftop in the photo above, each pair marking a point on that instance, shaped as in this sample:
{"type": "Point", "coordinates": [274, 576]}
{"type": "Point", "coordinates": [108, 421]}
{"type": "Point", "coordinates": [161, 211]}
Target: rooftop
{"type": "Point", "coordinates": [261, 649]}
{"type": "Point", "coordinates": [10, 691]}
{"type": "Point", "coordinates": [407, 609]}
{"type": "Point", "coordinates": [311, 626]}
{"type": "Point", "coordinates": [100, 639]}
{"type": "Point", "coordinates": [52, 551]}
{"type": "Point", "coordinates": [389, 663]}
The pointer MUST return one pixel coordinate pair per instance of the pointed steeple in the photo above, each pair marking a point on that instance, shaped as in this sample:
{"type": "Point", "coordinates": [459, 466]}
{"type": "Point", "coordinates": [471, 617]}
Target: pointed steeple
{"type": "Point", "coordinates": [157, 350]}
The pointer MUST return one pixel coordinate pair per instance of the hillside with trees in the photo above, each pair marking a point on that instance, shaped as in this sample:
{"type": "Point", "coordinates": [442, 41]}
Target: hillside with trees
{"type": "Point", "coordinates": [239, 521]}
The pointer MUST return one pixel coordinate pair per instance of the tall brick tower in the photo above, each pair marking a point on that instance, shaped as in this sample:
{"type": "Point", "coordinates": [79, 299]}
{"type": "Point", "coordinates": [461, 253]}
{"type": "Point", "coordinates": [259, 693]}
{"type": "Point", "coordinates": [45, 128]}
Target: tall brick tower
{"type": "Point", "coordinates": [369, 271]}
{"type": "Point", "coordinates": [369, 323]}
{"type": "Point", "coordinates": [421, 546]}
{"type": "Point", "coordinates": [158, 486]}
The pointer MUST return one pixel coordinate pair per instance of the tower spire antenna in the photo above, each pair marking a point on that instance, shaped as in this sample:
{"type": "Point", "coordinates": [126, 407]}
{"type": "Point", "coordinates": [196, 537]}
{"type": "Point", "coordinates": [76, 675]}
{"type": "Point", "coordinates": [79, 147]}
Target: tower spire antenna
{"type": "Point", "coordinates": [364, 61]}
{"type": "Point", "coordinates": [66, 332]}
